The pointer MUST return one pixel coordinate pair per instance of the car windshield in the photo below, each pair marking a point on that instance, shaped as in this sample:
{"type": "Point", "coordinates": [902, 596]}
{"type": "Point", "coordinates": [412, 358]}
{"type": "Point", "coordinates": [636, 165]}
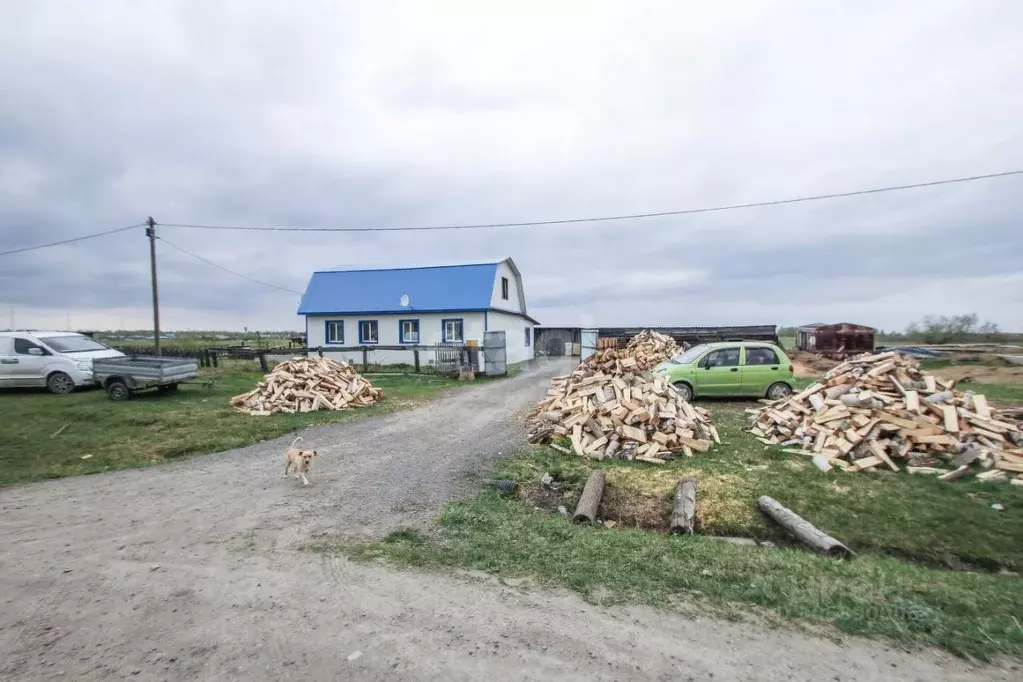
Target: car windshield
{"type": "Point", "coordinates": [690, 355]}
{"type": "Point", "coordinates": [72, 344]}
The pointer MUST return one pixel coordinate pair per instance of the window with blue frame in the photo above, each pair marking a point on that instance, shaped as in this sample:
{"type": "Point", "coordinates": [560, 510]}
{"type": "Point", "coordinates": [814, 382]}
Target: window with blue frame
{"type": "Point", "coordinates": [452, 331]}
{"type": "Point", "coordinates": [369, 331]}
{"type": "Point", "coordinates": [529, 334]}
{"type": "Point", "coordinates": [408, 331]}
{"type": "Point", "coordinates": [334, 331]}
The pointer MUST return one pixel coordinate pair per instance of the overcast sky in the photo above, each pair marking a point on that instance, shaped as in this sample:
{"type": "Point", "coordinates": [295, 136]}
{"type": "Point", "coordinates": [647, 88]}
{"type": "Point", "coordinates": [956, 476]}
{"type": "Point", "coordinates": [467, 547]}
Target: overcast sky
{"type": "Point", "coordinates": [387, 114]}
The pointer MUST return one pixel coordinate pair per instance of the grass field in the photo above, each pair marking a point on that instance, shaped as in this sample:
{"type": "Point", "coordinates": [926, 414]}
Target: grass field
{"type": "Point", "coordinates": [153, 428]}
{"type": "Point", "coordinates": [936, 564]}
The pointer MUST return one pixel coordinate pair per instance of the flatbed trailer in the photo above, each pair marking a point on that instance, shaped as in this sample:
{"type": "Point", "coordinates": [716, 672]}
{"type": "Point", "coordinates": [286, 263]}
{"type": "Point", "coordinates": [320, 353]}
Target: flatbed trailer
{"type": "Point", "coordinates": [121, 377]}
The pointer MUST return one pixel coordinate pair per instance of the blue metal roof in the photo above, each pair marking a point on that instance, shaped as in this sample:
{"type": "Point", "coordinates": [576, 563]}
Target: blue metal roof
{"type": "Point", "coordinates": [441, 288]}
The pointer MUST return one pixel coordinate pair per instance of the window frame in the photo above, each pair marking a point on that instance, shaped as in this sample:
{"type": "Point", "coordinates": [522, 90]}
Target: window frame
{"type": "Point", "coordinates": [362, 340]}
{"type": "Point", "coordinates": [705, 362]}
{"type": "Point", "coordinates": [326, 332]}
{"type": "Point", "coordinates": [745, 359]}
{"type": "Point", "coordinates": [444, 329]}
{"type": "Point", "coordinates": [505, 288]}
{"type": "Point", "coordinates": [401, 332]}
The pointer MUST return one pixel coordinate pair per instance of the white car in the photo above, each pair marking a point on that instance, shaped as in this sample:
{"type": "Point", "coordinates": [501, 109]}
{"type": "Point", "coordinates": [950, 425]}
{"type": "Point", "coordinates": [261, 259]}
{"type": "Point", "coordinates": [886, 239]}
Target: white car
{"type": "Point", "coordinates": [60, 361]}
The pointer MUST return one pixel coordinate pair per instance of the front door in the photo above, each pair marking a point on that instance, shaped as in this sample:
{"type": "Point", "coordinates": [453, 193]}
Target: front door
{"type": "Point", "coordinates": [30, 361]}
{"type": "Point", "coordinates": [760, 369]}
{"type": "Point", "coordinates": [719, 373]}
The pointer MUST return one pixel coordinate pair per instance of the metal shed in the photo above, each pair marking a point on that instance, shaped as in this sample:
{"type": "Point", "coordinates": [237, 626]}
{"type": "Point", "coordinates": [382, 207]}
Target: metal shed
{"type": "Point", "coordinates": [844, 337]}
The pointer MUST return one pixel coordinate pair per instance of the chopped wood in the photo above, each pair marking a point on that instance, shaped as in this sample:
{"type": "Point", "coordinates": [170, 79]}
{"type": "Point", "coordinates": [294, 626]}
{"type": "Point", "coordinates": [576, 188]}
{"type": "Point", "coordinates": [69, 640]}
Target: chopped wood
{"type": "Point", "coordinates": [612, 406]}
{"type": "Point", "coordinates": [876, 410]}
{"type": "Point", "coordinates": [307, 385]}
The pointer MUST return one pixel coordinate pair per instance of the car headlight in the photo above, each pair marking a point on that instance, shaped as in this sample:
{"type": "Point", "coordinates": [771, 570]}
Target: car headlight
{"type": "Point", "coordinates": [84, 366]}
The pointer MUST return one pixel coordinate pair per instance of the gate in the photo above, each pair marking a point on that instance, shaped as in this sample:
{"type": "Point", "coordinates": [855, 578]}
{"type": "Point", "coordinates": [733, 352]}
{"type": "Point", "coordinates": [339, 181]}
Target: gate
{"type": "Point", "coordinates": [495, 356]}
{"type": "Point", "coordinates": [449, 359]}
{"type": "Point", "coordinates": [589, 343]}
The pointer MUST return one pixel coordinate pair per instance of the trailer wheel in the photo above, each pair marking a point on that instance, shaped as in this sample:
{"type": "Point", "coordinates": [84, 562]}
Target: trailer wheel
{"type": "Point", "coordinates": [118, 390]}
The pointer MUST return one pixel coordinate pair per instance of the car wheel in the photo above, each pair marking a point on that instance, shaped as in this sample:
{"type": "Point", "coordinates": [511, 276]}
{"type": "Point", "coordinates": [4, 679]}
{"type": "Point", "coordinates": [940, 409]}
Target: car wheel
{"type": "Point", "coordinates": [60, 383]}
{"type": "Point", "coordinates": [778, 391]}
{"type": "Point", "coordinates": [118, 390]}
{"type": "Point", "coordinates": [685, 390]}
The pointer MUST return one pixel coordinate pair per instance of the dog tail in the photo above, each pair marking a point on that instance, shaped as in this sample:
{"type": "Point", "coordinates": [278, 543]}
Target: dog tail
{"type": "Point", "coordinates": [295, 442]}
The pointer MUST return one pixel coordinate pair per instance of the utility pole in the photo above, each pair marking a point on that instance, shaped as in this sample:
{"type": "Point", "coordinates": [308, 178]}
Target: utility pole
{"type": "Point", "coordinates": [151, 233]}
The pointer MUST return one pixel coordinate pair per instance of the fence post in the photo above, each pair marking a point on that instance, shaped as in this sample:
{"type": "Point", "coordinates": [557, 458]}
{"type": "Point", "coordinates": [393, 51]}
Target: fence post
{"type": "Point", "coordinates": [213, 356]}
{"type": "Point", "coordinates": [365, 359]}
{"type": "Point", "coordinates": [415, 353]}
{"type": "Point", "coordinates": [262, 362]}
{"type": "Point", "coordinates": [320, 351]}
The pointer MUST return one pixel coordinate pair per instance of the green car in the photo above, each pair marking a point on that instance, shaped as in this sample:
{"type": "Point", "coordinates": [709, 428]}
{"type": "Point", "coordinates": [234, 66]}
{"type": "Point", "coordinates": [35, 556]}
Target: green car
{"type": "Point", "coordinates": [738, 368]}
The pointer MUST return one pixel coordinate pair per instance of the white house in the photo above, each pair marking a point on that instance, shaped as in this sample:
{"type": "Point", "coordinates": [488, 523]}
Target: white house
{"type": "Point", "coordinates": [426, 306]}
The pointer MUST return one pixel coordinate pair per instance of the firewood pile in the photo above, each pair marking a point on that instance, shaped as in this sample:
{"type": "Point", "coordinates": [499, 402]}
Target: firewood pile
{"type": "Point", "coordinates": [308, 385]}
{"type": "Point", "coordinates": [880, 411]}
{"type": "Point", "coordinates": [608, 408]}
{"type": "Point", "coordinates": [646, 349]}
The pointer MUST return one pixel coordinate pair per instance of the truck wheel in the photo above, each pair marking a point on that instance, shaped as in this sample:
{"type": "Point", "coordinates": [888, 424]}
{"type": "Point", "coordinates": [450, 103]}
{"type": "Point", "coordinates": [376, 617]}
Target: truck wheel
{"type": "Point", "coordinates": [60, 383]}
{"type": "Point", "coordinates": [685, 390]}
{"type": "Point", "coordinates": [778, 390]}
{"type": "Point", "coordinates": [118, 390]}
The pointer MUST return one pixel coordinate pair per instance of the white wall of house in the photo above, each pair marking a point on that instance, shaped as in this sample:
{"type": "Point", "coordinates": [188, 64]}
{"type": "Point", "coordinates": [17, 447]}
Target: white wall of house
{"type": "Point", "coordinates": [430, 334]}
{"type": "Point", "coordinates": [514, 328]}
{"type": "Point", "coordinates": [516, 298]}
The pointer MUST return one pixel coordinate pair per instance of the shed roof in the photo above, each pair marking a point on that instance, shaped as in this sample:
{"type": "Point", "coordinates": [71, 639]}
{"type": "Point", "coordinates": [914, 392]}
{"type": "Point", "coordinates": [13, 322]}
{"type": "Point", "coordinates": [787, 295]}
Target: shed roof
{"type": "Point", "coordinates": [438, 288]}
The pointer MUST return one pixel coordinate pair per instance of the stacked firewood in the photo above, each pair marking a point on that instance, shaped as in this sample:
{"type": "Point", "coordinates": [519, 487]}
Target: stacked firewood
{"type": "Point", "coordinates": [645, 350]}
{"type": "Point", "coordinates": [882, 411]}
{"type": "Point", "coordinates": [609, 408]}
{"type": "Point", "coordinates": [307, 385]}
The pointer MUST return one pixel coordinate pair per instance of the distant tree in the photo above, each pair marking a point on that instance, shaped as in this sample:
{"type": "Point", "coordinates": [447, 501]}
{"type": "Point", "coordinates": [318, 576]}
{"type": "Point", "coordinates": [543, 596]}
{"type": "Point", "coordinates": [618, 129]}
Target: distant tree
{"type": "Point", "coordinates": [953, 329]}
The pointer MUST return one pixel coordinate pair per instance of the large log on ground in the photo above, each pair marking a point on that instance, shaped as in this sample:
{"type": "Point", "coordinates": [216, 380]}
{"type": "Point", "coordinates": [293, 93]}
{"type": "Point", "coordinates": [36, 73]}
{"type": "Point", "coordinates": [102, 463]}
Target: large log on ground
{"type": "Point", "coordinates": [802, 529]}
{"type": "Point", "coordinates": [683, 517]}
{"type": "Point", "coordinates": [589, 501]}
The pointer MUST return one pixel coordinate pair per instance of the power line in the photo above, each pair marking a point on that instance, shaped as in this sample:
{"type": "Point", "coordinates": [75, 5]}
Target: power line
{"type": "Point", "coordinates": [688, 211]}
{"type": "Point", "coordinates": [72, 240]}
{"type": "Point", "coordinates": [221, 267]}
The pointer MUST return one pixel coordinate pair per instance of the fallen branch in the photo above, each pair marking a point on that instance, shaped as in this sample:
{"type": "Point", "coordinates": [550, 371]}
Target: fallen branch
{"type": "Point", "coordinates": [803, 530]}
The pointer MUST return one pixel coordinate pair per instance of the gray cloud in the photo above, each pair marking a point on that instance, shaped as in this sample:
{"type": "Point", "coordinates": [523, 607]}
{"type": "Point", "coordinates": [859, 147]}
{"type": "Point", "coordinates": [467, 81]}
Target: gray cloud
{"type": "Point", "coordinates": [393, 114]}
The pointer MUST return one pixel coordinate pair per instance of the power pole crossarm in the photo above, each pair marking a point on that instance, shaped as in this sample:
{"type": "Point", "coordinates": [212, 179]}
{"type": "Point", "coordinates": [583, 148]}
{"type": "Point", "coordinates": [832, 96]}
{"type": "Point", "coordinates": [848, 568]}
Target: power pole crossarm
{"type": "Point", "coordinates": [151, 233]}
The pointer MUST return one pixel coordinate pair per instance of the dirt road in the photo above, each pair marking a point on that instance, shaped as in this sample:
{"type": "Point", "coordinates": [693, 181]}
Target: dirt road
{"type": "Point", "coordinates": [193, 571]}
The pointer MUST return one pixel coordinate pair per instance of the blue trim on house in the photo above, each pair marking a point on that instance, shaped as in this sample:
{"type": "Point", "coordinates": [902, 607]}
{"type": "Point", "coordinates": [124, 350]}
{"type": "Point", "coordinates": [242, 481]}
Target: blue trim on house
{"type": "Point", "coordinates": [362, 341]}
{"type": "Point", "coordinates": [516, 313]}
{"type": "Point", "coordinates": [401, 336]}
{"type": "Point", "coordinates": [326, 332]}
{"type": "Point", "coordinates": [443, 327]}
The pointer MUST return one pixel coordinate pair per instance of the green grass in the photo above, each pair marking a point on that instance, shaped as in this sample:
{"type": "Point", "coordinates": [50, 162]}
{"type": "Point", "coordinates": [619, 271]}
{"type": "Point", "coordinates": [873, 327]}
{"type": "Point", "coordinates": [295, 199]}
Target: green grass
{"type": "Point", "coordinates": [153, 428]}
{"type": "Point", "coordinates": [886, 518]}
{"type": "Point", "coordinates": [1009, 394]}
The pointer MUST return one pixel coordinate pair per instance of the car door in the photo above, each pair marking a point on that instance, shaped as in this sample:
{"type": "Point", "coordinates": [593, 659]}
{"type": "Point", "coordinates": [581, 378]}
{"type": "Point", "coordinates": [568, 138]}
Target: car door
{"type": "Point", "coordinates": [761, 368]}
{"type": "Point", "coordinates": [31, 362]}
{"type": "Point", "coordinates": [8, 363]}
{"type": "Point", "coordinates": [720, 372]}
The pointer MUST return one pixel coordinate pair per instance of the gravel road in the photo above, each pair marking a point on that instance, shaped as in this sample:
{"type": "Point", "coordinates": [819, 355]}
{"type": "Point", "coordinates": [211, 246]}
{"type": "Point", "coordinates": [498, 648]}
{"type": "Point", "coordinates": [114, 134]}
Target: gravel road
{"type": "Point", "coordinates": [193, 571]}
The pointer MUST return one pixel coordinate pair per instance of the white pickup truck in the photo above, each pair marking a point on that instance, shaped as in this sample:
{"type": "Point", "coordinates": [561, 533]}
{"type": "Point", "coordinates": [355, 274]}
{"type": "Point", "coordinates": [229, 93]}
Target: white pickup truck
{"type": "Point", "coordinates": [60, 361]}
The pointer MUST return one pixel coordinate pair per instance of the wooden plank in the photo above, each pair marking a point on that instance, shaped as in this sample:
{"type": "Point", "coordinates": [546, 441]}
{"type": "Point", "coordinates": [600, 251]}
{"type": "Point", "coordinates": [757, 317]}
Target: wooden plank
{"type": "Point", "coordinates": [879, 451]}
{"type": "Point", "coordinates": [951, 418]}
{"type": "Point", "coordinates": [980, 406]}
{"type": "Point", "coordinates": [633, 433]}
{"type": "Point", "coordinates": [936, 440]}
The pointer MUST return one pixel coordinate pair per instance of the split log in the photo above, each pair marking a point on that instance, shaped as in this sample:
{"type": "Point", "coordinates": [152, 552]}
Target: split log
{"type": "Point", "coordinates": [589, 501]}
{"type": "Point", "coordinates": [683, 517]}
{"type": "Point", "coordinates": [802, 529]}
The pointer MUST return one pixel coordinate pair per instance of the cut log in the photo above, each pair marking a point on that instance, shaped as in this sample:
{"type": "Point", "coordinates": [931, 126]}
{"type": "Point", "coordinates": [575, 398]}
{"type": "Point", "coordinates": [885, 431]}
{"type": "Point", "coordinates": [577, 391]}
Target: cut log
{"type": "Point", "coordinates": [802, 529]}
{"type": "Point", "coordinates": [589, 501]}
{"type": "Point", "coordinates": [683, 516]}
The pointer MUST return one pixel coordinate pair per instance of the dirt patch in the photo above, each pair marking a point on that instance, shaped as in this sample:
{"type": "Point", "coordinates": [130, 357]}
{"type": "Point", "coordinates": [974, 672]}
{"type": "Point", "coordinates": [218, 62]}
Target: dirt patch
{"type": "Point", "coordinates": [808, 364]}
